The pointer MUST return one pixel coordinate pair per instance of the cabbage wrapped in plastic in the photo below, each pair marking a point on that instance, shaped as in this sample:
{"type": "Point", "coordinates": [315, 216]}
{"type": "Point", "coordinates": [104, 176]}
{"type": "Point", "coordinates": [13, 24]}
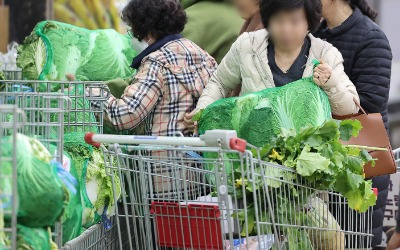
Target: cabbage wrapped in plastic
{"type": "Point", "coordinates": [34, 239]}
{"type": "Point", "coordinates": [258, 117]}
{"type": "Point", "coordinates": [54, 49]}
{"type": "Point", "coordinates": [41, 194]}
{"type": "Point", "coordinates": [95, 185]}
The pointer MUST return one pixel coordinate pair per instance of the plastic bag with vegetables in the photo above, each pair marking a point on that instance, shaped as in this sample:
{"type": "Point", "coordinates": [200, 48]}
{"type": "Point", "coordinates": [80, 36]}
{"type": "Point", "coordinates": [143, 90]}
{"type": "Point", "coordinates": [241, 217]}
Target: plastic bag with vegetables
{"type": "Point", "coordinates": [41, 194]}
{"type": "Point", "coordinates": [96, 186]}
{"type": "Point", "coordinates": [54, 49]}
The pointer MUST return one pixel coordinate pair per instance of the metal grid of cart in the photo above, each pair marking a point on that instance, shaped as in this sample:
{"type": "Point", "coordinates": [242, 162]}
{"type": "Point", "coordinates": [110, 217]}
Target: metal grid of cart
{"type": "Point", "coordinates": [53, 108]}
{"type": "Point", "coordinates": [11, 122]}
{"type": "Point", "coordinates": [180, 193]}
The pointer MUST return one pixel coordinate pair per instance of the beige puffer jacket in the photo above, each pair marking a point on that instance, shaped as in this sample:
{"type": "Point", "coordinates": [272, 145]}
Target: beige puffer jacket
{"type": "Point", "coordinates": [247, 63]}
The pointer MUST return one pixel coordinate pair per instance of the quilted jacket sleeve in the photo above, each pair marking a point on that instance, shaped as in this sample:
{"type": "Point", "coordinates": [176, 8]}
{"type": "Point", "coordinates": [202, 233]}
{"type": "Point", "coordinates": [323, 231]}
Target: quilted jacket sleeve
{"type": "Point", "coordinates": [340, 90]}
{"type": "Point", "coordinates": [225, 79]}
{"type": "Point", "coordinates": [372, 70]}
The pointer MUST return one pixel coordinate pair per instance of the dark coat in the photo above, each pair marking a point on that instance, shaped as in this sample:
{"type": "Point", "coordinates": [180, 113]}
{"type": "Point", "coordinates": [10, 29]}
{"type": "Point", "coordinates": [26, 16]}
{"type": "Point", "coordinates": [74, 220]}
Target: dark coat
{"type": "Point", "coordinates": [367, 61]}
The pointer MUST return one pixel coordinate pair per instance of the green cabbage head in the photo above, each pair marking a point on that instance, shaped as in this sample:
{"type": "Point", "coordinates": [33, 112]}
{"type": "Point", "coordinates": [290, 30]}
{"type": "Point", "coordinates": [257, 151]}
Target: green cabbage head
{"type": "Point", "coordinates": [54, 49]}
{"type": "Point", "coordinates": [259, 117]}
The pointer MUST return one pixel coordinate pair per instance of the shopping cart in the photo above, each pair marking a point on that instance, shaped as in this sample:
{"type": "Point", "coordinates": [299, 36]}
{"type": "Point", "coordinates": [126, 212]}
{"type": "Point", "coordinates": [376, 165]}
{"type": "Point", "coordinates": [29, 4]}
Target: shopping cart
{"type": "Point", "coordinates": [396, 153]}
{"type": "Point", "coordinates": [55, 108]}
{"type": "Point", "coordinates": [8, 132]}
{"type": "Point", "coordinates": [212, 192]}
{"type": "Point", "coordinates": [82, 114]}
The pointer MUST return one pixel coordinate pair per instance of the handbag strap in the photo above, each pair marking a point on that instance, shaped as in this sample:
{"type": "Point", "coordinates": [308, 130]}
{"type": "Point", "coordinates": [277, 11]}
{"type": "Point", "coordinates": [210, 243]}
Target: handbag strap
{"type": "Point", "coordinates": [359, 106]}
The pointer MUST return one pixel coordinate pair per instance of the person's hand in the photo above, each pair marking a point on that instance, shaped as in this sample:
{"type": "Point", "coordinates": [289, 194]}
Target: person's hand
{"type": "Point", "coordinates": [70, 77]}
{"type": "Point", "coordinates": [322, 73]}
{"type": "Point", "coordinates": [394, 242]}
{"type": "Point", "coordinates": [92, 92]}
{"type": "Point", "coordinates": [189, 123]}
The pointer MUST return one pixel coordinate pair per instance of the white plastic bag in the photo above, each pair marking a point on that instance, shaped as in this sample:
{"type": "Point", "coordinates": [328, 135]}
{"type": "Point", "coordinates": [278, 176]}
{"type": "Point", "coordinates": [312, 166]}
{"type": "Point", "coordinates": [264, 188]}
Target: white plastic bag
{"type": "Point", "coordinates": [8, 60]}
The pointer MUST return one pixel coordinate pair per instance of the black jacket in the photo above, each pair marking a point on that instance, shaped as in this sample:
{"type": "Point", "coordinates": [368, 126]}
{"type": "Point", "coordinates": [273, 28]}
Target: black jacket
{"type": "Point", "coordinates": [367, 61]}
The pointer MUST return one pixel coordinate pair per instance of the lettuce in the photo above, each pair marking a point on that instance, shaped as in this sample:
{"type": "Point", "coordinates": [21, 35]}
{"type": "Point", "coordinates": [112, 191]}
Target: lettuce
{"type": "Point", "coordinates": [54, 49]}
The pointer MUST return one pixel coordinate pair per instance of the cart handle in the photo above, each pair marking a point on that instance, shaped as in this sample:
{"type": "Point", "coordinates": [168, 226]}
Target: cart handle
{"type": "Point", "coordinates": [89, 140]}
{"type": "Point", "coordinates": [226, 139]}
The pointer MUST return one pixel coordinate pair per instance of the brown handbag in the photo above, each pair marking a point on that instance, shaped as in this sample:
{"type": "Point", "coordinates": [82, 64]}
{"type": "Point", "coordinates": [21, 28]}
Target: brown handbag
{"type": "Point", "coordinates": [373, 134]}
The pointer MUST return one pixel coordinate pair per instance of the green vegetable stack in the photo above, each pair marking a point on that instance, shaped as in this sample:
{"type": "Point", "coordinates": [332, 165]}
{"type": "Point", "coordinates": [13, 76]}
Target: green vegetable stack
{"type": "Point", "coordinates": [54, 49]}
{"type": "Point", "coordinates": [320, 162]}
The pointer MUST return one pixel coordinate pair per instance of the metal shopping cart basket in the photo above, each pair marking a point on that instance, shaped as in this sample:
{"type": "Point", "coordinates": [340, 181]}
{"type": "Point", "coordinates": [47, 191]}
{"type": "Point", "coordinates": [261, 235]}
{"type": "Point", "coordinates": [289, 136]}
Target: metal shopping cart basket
{"type": "Point", "coordinates": [8, 132]}
{"type": "Point", "coordinates": [85, 100]}
{"type": "Point", "coordinates": [55, 108]}
{"type": "Point", "coordinates": [184, 193]}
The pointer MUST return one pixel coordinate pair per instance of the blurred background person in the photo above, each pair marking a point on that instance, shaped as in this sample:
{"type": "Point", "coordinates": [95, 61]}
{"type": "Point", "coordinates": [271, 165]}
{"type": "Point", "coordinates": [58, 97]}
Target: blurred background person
{"type": "Point", "coordinates": [350, 26]}
{"type": "Point", "coordinates": [214, 25]}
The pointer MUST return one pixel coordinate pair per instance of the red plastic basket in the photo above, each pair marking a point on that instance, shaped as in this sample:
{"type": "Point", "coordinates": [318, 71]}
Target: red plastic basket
{"type": "Point", "coordinates": [190, 226]}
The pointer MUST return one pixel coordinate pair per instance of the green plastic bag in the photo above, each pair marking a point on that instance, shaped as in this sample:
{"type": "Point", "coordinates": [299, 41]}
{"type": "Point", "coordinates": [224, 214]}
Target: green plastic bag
{"type": "Point", "coordinates": [33, 239]}
{"type": "Point", "coordinates": [258, 117]}
{"type": "Point", "coordinates": [80, 153]}
{"type": "Point", "coordinates": [41, 194]}
{"type": "Point", "coordinates": [72, 216]}
{"type": "Point", "coordinates": [54, 49]}
{"type": "Point", "coordinates": [95, 185]}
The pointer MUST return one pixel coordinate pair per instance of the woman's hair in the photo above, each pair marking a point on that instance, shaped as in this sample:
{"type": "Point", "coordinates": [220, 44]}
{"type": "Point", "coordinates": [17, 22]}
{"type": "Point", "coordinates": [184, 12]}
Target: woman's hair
{"type": "Point", "coordinates": [312, 8]}
{"type": "Point", "coordinates": [365, 8]}
{"type": "Point", "coordinates": [156, 17]}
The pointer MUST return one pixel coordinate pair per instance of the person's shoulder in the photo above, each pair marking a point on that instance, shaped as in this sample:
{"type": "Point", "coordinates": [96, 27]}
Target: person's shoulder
{"type": "Point", "coordinates": [177, 50]}
{"type": "Point", "coordinates": [370, 30]}
{"type": "Point", "coordinates": [324, 50]}
{"type": "Point", "coordinates": [251, 41]}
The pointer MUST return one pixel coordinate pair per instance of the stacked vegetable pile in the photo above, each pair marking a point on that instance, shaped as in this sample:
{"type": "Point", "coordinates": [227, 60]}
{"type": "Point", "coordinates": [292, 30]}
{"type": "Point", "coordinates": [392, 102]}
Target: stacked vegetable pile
{"type": "Point", "coordinates": [42, 194]}
{"type": "Point", "coordinates": [54, 49]}
{"type": "Point", "coordinates": [293, 127]}
{"type": "Point", "coordinates": [90, 14]}
{"type": "Point", "coordinates": [319, 161]}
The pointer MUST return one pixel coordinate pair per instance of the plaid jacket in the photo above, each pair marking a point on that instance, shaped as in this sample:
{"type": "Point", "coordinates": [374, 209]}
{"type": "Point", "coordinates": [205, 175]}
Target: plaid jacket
{"type": "Point", "coordinates": [167, 85]}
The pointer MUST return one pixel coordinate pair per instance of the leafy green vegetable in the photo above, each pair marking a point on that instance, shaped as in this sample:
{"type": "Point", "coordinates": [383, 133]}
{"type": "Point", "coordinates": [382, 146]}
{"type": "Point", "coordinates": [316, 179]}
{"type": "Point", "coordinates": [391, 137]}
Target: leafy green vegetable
{"type": "Point", "coordinates": [258, 117]}
{"type": "Point", "coordinates": [349, 128]}
{"type": "Point", "coordinates": [54, 49]}
{"type": "Point", "coordinates": [319, 162]}
{"type": "Point", "coordinates": [309, 163]}
{"type": "Point", "coordinates": [41, 194]}
{"type": "Point", "coordinates": [319, 157]}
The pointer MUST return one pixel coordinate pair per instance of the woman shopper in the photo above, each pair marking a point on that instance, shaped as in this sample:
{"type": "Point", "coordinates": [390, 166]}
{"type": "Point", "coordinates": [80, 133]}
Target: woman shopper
{"type": "Point", "coordinates": [171, 72]}
{"type": "Point", "coordinates": [349, 25]}
{"type": "Point", "coordinates": [249, 10]}
{"type": "Point", "coordinates": [279, 54]}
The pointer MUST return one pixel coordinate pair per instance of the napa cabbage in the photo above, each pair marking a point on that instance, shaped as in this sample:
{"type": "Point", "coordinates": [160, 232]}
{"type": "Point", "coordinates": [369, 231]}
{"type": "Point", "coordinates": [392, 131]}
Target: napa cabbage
{"type": "Point", "coordinates": [54, 49]}
{"type": "Point", "coordinates": [41, 194]}
{"type": "Point", "coordinates": [258, 117]}
{"type": "Point", "coordinates": [99, 189]}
